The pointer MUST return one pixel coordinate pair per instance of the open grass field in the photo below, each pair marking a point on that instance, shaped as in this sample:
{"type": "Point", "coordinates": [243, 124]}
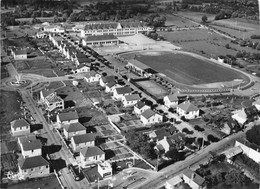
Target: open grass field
{"type": "Point", "coordinates": [153, 88]}
{"type": "Point", "coordinates": [187, 69]}
{"type": "Point", "coordinates": [9, 111]}
{"type": "Point", "coordinates": [179, 22]}
{"type": "Point", "coordinates": [196, 16]}
{"type": "Point", "coordinates": [43, 72]}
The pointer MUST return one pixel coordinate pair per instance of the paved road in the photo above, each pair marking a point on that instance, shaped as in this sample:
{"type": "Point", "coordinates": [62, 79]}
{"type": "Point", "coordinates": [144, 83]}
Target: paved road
{"type": "Point", "coordinates": [192, 161]}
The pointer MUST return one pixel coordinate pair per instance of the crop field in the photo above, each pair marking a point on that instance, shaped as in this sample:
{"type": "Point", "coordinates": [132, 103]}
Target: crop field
{"type": "Point", "coordinates": [179, 22]}
{"type": "Point", "coordinates": [153, 88]}
{"type": "Point", "coordinates": [187, 69]}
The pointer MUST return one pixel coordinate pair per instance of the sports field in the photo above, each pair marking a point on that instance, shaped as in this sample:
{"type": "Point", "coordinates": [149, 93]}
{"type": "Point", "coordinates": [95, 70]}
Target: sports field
{"type": "Point", "coordinates": [153, 88]}
{"type": "Point", "coordinates": [187, 69]}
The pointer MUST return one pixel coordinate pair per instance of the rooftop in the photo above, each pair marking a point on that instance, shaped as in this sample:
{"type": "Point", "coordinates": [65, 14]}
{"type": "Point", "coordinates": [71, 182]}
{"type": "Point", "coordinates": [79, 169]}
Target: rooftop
{"type": "Point", "coordinates": [132, 97]}
{"type": "Point", "coordinates": [175, 180]}
{"type": "Point", "coordinates": [20, 52]}
{"type": "Point", "coordinates": [138, 64]}
{"type": "Point", "coordinates": [32, 162]}
{"type": "Point", "coordinates": [148, 113]}
{"type": "Point", "coordinates": [47, 92]}
{"type": "Point", "coordinates": [91, 151]}
{"type": "Point", "coordinates": [66, 116]}
{"type": "Point", "coordinates": [140, 104]}
{"type": "Point", "coordinates": [19, 123]}
{"type": "Point", "coordinates": [107, 79]}
{"type": "Point", "coordinates": [196, 178]}
{"type": "Point", "coordinates": [74, 127]}
{"type": "Point", "coordinates": [100, 37]}
{"type": "Point", "coordinates": [78, 139]}
{"type": "Point", "coordinates": [53, 98]}
{"type": "Point", "coordinates": [173, 97]}
{"type": "Point", "coordinates": [123, 90]}
{"type": "Point", "coordinates": [188, 107]}
{"type": "Point", "coordinates": [30, 143]}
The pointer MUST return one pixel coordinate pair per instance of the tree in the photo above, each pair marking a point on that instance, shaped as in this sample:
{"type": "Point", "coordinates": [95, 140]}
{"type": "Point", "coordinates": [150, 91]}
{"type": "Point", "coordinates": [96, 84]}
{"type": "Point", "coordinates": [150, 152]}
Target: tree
{"type": "Point", "coordinates": [65, 16]}
{"type": "Point", "coordinates": [236, 177]}
{"type": "Point", "coordinates": [204, 18]}
{"type": "Point", "coordinates": [227, 46]}
{"type": "Point", "coordinates": [253, 135]}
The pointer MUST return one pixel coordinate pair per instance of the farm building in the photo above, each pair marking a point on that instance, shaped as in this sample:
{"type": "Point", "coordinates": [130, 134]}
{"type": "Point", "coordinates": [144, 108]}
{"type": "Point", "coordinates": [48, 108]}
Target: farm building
{"type": "Point", "coordinates": [20, 127]}
{"type": "Point", "coordinates": [100, 40]}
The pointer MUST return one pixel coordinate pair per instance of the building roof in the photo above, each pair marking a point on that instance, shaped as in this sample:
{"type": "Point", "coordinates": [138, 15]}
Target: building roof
{"type": "Point", "coordinates": [111, 83]}
{"type": "Point", "coordinates": [91, 74]}
{"type": "Point", "coordinates": [140, 104]}
{"type": "Point", "coordinates": [66, 116]}
{"type": "Point", "coordinates": [173, 97]}
{"type": "Point", "coordinates": [123, 90]}
{"type": "Point", "coordinates": [32, 162]}
{"type": "Point", "coordinates": [78, 139]}
{"type": "Point", "coordinates": [188, 107]}
{"type": "Point", "coordinates": [132, 97]}
{"type": "Point", "coordinates": [160, 133]}
{"type": "Point", "coordinates": [84, 60]}
{"type": "Point", "coordinates": [30, 143]}
{"type": "Point", "coordinates": [20, 52]}
{"type": "Point", "coordinates": [175, 180]}
{"type": "Point", "coordinates": [99, 25]}
{"type": "Point", "coordinates": [196, 178]}
{"type": "Point", "coordinates": [53, 98]}
{"type": "Point", "coordinates": [74, 127]}
{"type": "Point", "coordinates": [148, 113]}
{"type": "Point", "coordinates": [19, 123]}
{"type": "Point", "coordinates": [91, 151]}
{"type": "Point", "coordinates": [138, 64]}
{"type": "Point", "coordinates": [47, 92]}
{"type": "Point", "coordinates": [233, 151]}
{"type": "Point", "coordinates": [100, 38]}
{"type": "Point", "coordinates": [240, 116]}
{"type": "Point", "coordinates": [107, 79]}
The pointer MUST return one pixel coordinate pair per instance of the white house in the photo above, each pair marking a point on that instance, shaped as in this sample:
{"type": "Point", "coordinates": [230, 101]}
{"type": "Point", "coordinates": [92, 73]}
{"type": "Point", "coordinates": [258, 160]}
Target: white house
{"type": "Point", "coordinates": [44, 93]}
{"type": "Point", "coordinates": [90, 155]}
{"type": "Point", "coordinates": [74, 129]}
{"type": "Point", "coordinates": [130, 100]}
{"type": "Point", "coordinates": [53, 102]}
{"type": "Point", "coordinates": [149, 117]}
{"type": "Point", "coordinates": [120, 92]}
{"type": "Point", "coordinates": [81, 69]}
{"type": "Point", "coordinates": [111, 86]}
{"type": "Point", "coordinates": [194, 180]}
{"type": "Point", "coordinates": [176, 140]}
{"type": "Point", "coordinates": [54, 29]}
{"type": "Point", "coordinates": [140, 107]}
{"type": "Point", "coordinates": [92, 76]}
{"type": "Point", "coordinates": [30, 146]}
{"type": "Point", "coordinates": [240, 116]}
{"type": "Point", "coordinates": [19, 54]}
{"type": "Point", "coordinates": [188, 110]}
{"type": "Point", "coordinates": [67, 118]}
{"type": "Point", "coordinates": [105, 169]}
{"type": "Point", "coordinates": [20, 127]}
{"type": "Point", "coordinates": [171, 100]}
{"type": "Point", "coordinates": [35, 166]}
{"type": "Point", "coordinates": [81, 141]}
{"type": "Point", "coordinates": [173, 182]}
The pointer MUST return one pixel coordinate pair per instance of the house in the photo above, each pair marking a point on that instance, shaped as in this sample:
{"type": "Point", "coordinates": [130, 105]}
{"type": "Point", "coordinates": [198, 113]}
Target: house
{"type": "Point", "coordinates": [106, 79]}
{"type": "Point", "coordinates": [173, 141]}
{"type": "Point", "coordinates": [140, 107]}
{"type": "Point", "coordinates": [194, 180]}
{"type": "Point", "coordinates": [90, 155]}
{"type": "Point", "coordinates": [149, 117]}
{"type": "Point", "coordinates": [111, 86]}
{"type": "Point", "coordinates": [92, 76]}
{"type": "Point", "coordinates": [173, 182]}
{"type": "Point", "coordinates": [67, 118]}
{"type": "Point", "coordinates": [74, 129]}
{"type": "Point", "coordinates": [171, 100]}
{"type": "Point", "coordinates": [130, 100]}
{"type": "Point", "coordinates": [257, 104]}
{"type": "Point", "coordinates": [188, 110]}
{"type": "Point", "coordinates": [44, 93]}
{"type": "Point", "coordinates": [120, 92]}
{"type": "Point", "coordinates": [81, 69]}
{"type": "Point", "coordinates": [53, 102]}
{"type": "Point", "coordinates": [100, 40]}
{"type": "Point", "coordinates": [20, 127]}
{"type": "Point", "coordinates": [240, 116]}
{"type": "Point", "coordinates": [35, 166]}
{"type": "Point", "coordinates": [30, 146]}
{"type": "Point", "coordinates": [105, 169]}
{"type": "Point", "coordinates": [19, 54]}
{"type": "Point", "coordinates": [81, 141]}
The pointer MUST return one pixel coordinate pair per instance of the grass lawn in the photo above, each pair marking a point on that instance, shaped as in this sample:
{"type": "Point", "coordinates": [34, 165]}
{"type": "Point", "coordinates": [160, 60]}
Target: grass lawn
{"type": "Point", "coordinates": [43, 72]}
{"type": "Point", "coordinates": [55, 85]}
{"type": "Point", "coordinates": [43, 183]}
{"type": "Point", "coordinates": [187, 69]}
{"type": "Point", "coordinates": [9, 111]}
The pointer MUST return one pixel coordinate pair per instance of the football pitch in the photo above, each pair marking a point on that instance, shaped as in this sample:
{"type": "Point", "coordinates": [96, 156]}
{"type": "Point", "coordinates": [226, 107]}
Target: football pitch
{"type": "Point", "coordinates": [187, 69]}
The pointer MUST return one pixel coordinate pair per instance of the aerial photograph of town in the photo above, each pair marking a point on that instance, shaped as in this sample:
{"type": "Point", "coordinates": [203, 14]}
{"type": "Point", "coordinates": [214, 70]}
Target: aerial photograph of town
{"type": "Point", "coordinates": [130, 94]}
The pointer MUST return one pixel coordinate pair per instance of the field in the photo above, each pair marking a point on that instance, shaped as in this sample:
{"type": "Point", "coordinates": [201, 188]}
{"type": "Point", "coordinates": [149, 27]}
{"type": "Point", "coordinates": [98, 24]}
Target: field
{"type": "Point", "coordinates": [9, 111]}
{"type": "Point", "coordinates": [153, 88]}
{"type": "Point", "coordinates": [196, 16]}
{"type": "Point", "coordinates": [43, 72]}
{"type": "Point", "coordinates": [179, 22]}
{"type": "Point", "coordinates": [187, 69]}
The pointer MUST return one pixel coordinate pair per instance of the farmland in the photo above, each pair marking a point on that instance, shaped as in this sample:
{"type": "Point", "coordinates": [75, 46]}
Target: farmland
{"type": "Point", "coordinates": [186, 69]}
